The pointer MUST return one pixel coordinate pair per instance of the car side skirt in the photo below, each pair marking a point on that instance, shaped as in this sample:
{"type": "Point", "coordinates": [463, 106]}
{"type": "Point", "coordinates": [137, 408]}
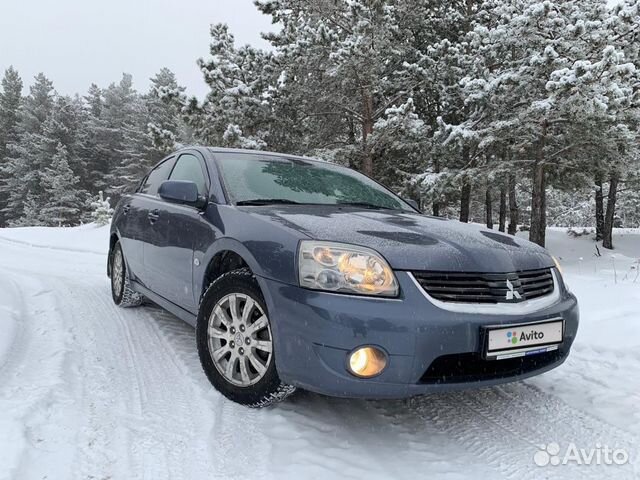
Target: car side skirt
{"type": "Point", "coordinates": [179, 312]}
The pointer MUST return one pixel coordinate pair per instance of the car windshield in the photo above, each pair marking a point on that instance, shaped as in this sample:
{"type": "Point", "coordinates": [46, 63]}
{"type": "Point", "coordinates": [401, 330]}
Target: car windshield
{"type": "Point", "coordinates": [253, 179]}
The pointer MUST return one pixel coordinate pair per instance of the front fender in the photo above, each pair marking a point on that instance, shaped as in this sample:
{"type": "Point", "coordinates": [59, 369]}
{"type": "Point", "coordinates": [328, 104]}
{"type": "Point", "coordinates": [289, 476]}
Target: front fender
{"type": "Point", "coordinates": [268, 247]}
{"type": "Point", "coordinates": [232, 245]}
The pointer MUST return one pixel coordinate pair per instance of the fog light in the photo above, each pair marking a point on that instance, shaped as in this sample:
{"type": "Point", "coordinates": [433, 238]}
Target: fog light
{"type": "Point", "coordinates": [367, 362]}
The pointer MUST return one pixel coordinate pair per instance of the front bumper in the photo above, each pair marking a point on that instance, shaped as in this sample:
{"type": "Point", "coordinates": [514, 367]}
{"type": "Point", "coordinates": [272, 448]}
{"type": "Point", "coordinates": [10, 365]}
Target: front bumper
{"type": "Point", "coordinates": [429, 348]}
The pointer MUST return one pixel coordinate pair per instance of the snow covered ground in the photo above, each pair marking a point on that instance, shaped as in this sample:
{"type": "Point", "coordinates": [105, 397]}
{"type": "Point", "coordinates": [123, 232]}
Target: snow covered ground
{"type": "Point", "coordinates": [90, 391]}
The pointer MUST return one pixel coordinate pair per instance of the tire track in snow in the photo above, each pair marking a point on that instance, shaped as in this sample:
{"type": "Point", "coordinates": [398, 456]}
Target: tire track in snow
{"type": "Point", "coordinates": [238, 442]}
{"type": "Point", "coordinates": [37, 386]}
{"type": "Point", "coordinates": [381, 438]}
{"type": "Point", "coordinates": [15, 310]}
{"type": "Point", "coordinates": [603, 374]}
{"type": "Point", "coordinates": [327, 441]}
{"type": "Point", "coordinates": [504, 426]}
{"type": "Point", "coordinates": [137, 417]}
{"type": "Point", "coordinates": [108, 402]}
{"type": "Point", "coordinates": [164, 427]}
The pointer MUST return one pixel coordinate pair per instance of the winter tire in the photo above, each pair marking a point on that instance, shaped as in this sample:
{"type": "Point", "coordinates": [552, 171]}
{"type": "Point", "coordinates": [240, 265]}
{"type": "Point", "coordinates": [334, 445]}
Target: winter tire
{"type": "Point", "coordinates": [121, 291]}
{"type": "Point", "coordinates": [235, 343]}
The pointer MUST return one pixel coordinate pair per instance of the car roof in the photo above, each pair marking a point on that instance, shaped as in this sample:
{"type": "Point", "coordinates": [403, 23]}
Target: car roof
{"type": "Point", "coordinates": [215, 150]}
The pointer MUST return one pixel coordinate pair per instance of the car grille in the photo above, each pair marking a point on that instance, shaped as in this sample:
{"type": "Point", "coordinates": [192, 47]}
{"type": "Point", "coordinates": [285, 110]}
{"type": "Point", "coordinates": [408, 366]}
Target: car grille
{"type": "Point", "coordinates": [486, 287]}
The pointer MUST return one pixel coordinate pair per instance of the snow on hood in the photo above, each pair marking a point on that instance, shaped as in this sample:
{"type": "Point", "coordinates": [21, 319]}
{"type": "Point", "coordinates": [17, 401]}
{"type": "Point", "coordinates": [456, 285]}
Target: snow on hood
{"type": "Point", "coordinates": [411, 241]}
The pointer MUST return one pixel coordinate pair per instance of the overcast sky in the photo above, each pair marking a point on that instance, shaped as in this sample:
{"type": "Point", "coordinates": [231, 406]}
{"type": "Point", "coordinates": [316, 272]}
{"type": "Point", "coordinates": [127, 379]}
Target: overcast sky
{"type": "Point", "coordinates": [77, 42]}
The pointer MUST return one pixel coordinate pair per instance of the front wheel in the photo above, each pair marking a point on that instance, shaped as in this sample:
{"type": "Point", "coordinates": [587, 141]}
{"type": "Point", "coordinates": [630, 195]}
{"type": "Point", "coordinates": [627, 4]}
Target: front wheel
{"type": "Point", "coordinates": [235, 341]}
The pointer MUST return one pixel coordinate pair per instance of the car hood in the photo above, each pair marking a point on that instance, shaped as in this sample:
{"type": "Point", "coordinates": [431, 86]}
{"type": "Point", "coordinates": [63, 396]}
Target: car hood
{"type": "Point", "coordinates": [411, 241]}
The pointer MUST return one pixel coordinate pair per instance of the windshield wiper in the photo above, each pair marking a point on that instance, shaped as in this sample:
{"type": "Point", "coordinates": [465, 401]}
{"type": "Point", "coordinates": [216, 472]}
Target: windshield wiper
{"type": "Point", "coordinates": [366, 205]}
{"type": "Point", "coordinates": [285, 201]}
{"type": "Point", "coordinates": [268, 201]}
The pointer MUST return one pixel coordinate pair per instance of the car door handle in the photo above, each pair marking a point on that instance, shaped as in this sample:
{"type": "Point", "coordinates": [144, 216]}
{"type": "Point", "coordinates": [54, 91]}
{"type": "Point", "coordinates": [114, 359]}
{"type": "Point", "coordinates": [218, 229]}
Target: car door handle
{"type": "Point", "coordinates": [126, 209]}
{"type": "Point", "coordinates": [153, 216]}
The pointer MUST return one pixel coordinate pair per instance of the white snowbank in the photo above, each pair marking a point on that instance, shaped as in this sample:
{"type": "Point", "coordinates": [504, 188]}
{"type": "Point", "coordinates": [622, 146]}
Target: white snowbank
{"type": "Point", "coordinates": [86, 238]}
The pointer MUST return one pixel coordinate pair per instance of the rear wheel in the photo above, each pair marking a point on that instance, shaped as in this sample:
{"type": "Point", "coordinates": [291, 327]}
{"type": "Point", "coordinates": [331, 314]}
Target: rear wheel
{"type": "Point", "coordinates": [235, 341]}
{"type": "Point", "coordinates": [121, 291]}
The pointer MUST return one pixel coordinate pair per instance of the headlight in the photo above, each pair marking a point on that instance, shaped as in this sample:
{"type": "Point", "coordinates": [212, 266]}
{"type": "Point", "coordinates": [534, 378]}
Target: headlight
{"type": "Point", "coordinates": [558, 267]}
{"type": "Point", "coordinates": [344, 268]}
{"type": "Point", "coordinates": [560, 273]}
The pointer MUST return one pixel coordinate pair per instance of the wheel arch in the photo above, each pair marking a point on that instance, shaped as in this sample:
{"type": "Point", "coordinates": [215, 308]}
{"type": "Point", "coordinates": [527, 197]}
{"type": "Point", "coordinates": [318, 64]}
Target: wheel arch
{"type": "Point", "coordinates": [224, 256]}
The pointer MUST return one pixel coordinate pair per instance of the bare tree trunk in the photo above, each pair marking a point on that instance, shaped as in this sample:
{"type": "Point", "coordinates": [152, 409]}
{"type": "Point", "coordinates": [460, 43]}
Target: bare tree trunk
{"type": "Point", "coordinates": [539, 194]}
{"type": "Point", "coordinates": [514, 211]}
{"type": "Point", "coordinates": [607, 232]}
{"type": "Point", "coordinates": [352, 130]}
{"type": "Point", "coordinates": [502, 213]}
{"type": "Point", "coordinates": [538, 205]}
{"type": "Point", "coordinates": [465, 201]}
{"type": "Point", "coordinates": [488, 208]}
{"type": "Point", "coordinates": [367, 129]}
{"type": "Point", "coordinates": [436, 205]}
{"type": "Point", "coordinates": [465, 191]}
{"type": "Point", "coordinates": [599, 208]}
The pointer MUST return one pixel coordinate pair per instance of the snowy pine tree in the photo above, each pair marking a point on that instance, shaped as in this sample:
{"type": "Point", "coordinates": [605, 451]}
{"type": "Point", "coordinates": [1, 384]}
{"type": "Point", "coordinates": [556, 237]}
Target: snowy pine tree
{"type": "Point", "coordinates": [342, 62]}
{"type": "Point", "coordinates": [542, 93]}
{"type": "Point", "coordinates": [24, 163]}
{"type": "Point", "coordinates": [400, 146]}
{"type": "Point", "coordinates": [164, 104]}
{"type": "Point", "coordinates": [29, 215]}
{"type": "Point", "coordinates": [136, 151]}
{"type": "Point", "coordinates": [10, 101]}
{"type": "Point", "coordinates": [121, 146]}
{"type": "Point", "coordinates": [119, 114]}
{"type": "Point", "coordinates": [62, 200]}
{"type": "Point", "coordinates": [101, 210]}
{"type": "Point", "coordinates": [235, 112]}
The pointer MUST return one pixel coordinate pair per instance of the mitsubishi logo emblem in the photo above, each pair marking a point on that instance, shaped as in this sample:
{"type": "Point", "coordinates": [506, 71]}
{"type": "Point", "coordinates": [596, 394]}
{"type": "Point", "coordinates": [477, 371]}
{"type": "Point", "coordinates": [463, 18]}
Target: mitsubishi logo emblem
{"type": "Point", "coordinates": [511, 293]}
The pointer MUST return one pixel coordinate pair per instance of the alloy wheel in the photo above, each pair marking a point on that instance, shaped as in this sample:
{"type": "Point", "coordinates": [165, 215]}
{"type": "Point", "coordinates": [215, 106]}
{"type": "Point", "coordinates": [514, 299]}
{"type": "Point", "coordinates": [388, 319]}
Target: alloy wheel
{"type": "Point", "coordinates": [239, 339]}
{"type": "Point", "coordinates": [117, 272]}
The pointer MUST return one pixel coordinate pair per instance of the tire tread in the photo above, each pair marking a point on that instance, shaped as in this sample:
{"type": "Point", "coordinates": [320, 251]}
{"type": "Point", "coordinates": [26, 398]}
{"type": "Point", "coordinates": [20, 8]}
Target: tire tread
{"type": "Point", "coordinates": [277, 392]}
{"type": "Point", "coordinates": [129, 298]}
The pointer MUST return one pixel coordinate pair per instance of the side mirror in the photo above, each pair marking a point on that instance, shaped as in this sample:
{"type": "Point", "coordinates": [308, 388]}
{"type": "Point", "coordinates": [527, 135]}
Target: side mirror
{"type": "Point", "coordinates": [183, 192]}
{"type": "Point", "coordinates": [413, 203]}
